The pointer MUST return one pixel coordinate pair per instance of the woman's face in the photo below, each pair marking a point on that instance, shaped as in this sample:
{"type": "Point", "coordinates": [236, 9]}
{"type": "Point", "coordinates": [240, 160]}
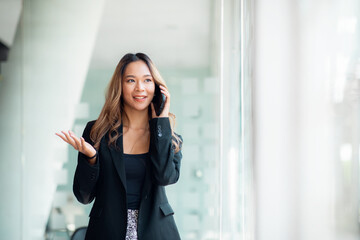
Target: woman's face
{"type": "Point", "coordinates": [138, 86]}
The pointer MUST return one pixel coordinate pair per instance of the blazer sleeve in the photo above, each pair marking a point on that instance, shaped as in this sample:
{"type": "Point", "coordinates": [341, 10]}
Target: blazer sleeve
{"type": "Point", "coordinates": [86, 175]}
{"type": "Point", "coordinates": [165, 162]}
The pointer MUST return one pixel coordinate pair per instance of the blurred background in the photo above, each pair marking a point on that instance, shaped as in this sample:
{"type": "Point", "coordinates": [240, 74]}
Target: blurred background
{"type": "Point", "coordinates": [265, 93]}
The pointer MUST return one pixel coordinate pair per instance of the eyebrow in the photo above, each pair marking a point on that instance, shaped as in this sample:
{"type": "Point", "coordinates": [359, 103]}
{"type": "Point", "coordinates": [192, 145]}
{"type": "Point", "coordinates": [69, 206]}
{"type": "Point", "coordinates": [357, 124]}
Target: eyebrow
{"type": "Point", "coordinates": [146, 75]}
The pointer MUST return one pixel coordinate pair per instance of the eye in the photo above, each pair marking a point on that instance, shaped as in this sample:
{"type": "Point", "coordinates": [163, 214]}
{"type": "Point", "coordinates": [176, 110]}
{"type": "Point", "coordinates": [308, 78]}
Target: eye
{"type": "Point", "coordinates": [130, 80]}
{"type": "Point", "coordinates": [148, 80]}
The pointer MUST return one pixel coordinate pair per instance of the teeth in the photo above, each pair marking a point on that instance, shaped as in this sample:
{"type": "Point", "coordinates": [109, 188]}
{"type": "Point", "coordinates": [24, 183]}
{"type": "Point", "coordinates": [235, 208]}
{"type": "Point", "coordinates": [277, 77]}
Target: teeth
{"type": "Point", "coordinates": [139, 97]}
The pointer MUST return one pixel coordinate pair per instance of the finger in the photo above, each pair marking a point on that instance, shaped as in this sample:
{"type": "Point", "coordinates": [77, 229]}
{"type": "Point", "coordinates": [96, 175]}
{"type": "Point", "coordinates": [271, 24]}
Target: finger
{"type": "Point", "coordinates": [165, 91]}
{"type": "Point", "coordinates": [76, 140]}
{"type": "Point", "coordinates": [73, 136]}
{"type": "Point", "coordinates": [167, 94]}
{"type": "Point", "coordinates": [68, 138]}
{"type": "Point", "coordinates": [71, 140]}
{"type": "Point", "coordinates": [62, 137]}
{"type": "Point", "coordinates": [166, 110]}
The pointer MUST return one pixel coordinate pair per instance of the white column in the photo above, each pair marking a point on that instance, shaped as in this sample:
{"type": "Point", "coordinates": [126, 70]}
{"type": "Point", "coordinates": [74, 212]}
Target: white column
{"type": "Point", "coordinates": [276, 100]}
{"type": "Point", "coordinates": [304, 53]}
{"type": "Point", "coordinates": [42, 83]}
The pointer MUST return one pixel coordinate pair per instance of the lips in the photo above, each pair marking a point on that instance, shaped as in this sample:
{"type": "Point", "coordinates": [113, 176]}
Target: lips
{"type": "Point", "coordinates": [139, 97]}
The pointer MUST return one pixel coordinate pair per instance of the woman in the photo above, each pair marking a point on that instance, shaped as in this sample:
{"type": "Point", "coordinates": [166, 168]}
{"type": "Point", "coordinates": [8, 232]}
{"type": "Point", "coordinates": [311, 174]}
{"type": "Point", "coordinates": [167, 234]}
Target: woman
{"type": "Point", "coordinates": [127, 156]}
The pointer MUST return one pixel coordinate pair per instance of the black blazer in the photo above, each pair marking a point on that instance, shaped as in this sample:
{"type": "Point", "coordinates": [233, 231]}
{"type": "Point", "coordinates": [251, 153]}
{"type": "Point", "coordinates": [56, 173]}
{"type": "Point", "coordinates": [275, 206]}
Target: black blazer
{"type": "Point", "coordinates": [106, 183]}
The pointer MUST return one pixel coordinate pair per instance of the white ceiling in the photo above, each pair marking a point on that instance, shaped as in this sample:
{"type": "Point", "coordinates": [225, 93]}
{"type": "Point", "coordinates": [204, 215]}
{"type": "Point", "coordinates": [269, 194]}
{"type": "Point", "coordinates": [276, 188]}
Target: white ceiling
{"type": "Point", "coordinates": [173, 33]}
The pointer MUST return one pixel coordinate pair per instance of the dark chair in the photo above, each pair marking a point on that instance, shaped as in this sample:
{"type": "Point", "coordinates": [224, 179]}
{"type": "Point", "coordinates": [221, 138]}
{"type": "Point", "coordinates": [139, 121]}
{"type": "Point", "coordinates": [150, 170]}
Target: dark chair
{"type": "Point", "coordinates": [79, 234]}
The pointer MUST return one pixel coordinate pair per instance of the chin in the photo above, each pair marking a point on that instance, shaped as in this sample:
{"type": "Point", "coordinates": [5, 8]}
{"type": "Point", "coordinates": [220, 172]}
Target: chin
{"type": "Point", "coordinates": [140, 109]}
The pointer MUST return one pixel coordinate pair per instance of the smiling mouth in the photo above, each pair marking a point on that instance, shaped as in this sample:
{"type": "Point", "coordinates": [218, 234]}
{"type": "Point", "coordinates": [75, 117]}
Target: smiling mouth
{"type": "Point", "coordinates": [139, 97]}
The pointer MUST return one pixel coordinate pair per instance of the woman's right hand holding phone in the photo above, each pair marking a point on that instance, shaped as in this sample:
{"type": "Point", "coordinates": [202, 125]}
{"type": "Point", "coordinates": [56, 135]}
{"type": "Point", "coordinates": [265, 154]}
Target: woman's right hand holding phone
{"type": "Point", "coordinates": [79, 144]}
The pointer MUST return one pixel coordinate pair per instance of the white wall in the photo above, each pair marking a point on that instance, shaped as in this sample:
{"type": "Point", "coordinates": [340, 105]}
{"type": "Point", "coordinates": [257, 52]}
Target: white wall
{"type": "Point", "coordinates": [11, 144]}
{"type": "Point", "coordinates": [42, 82]}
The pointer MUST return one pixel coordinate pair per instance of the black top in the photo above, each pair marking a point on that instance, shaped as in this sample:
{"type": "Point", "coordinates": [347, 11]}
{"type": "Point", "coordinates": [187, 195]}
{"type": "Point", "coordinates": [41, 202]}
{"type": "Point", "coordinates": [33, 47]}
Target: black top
{"type": "Point", "coordinates": [135, 169]}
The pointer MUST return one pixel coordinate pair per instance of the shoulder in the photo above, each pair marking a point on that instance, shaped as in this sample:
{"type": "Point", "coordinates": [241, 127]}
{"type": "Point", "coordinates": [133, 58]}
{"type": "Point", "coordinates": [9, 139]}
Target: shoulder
{"type": "Point", "coordinates": [90, 124]}
{"type": "Point", "coordinates": [88, 127]}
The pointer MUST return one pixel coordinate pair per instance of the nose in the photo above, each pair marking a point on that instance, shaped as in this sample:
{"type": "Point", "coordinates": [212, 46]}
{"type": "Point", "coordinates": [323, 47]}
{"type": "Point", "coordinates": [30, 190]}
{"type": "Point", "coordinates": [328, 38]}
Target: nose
{"type": "Point", "coordinates": [139, 86]}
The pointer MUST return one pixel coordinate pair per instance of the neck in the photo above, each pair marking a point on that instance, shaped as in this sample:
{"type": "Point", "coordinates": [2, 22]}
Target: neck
{"type": "Point", "coordinates": [136, 119]}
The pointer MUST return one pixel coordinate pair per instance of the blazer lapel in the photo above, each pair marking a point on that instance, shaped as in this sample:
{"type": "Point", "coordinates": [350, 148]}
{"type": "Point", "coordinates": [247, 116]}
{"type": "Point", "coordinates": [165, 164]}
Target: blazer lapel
{"type": "Point", "coordinates": [117, 157]}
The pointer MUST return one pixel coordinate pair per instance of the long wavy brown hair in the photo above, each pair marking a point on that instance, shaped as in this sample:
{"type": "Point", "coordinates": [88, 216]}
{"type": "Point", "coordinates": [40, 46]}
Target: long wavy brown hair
{"type": "Point", "coordinates": [112, 112]}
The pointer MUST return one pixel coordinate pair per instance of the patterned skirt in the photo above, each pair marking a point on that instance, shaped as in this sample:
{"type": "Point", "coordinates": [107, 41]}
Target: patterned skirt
{"type": "Point", "coordinates": [132, 222]}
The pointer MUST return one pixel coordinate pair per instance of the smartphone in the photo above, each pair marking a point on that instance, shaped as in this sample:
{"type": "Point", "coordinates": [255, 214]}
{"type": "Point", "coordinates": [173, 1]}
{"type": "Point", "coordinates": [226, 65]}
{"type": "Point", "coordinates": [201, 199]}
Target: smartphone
{"type": "Point", "coordinates": [158, 100]}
